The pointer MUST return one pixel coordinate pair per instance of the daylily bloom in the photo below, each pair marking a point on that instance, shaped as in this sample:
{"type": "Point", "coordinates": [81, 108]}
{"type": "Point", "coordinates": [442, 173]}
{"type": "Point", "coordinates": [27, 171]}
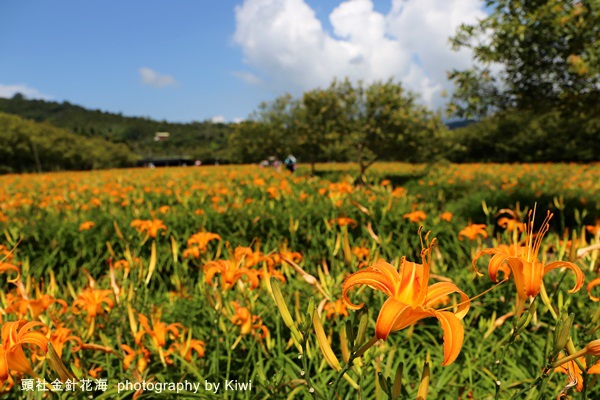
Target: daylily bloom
{"type": "Point", "coordinates": [230, 273]}
{"type": "Point", "coordinates": [523, 261]}
{"type": "Point", "coordinates": [151, 227]}
{"type": "Point", "coordinates": [86, 226]}
{"type": "Point", "coordinates": [411, 299]}
{"type": "Point", "coordinates": [158, 332]}
{"type": "Point", "coordinates": [142, 354]}
{"type": "Point", "coordinates": [333, 308]}
{"type": "Point", "coordinates": [198, 243]}
{"type": "Point", "coordinates": [14, 336]}
{"type": "Point", "coordinates": [186, 348]}
{"type": "Point", "coordinates": [95, 302]}
{"type": "Point", "coordinates": [471, 231]}
{"type": "Point", "coordinates": [61, 335]}
{"type": "Point", "coordinates": [415, 216]}
{"type": "Point", "coordinates": [248, 322]}
{"type": "Point", "coordinates": [446, 216]}
{"type": "Point", "coordinates": [575, 376]}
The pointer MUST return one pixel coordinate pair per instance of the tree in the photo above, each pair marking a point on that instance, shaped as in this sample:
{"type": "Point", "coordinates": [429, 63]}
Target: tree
{"type": "Point", "coordinates": [384, 121]}
{"type": "Point", "coordinates": [530, 54]}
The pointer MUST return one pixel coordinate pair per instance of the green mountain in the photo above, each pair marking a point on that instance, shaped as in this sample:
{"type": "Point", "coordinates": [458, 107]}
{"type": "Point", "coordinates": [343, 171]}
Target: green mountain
{"type": "Point", "coordinates": [199, 140]}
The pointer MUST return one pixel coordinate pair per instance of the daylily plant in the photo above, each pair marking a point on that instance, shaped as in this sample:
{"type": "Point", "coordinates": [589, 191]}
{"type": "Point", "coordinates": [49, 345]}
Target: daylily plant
{"type": "Point", "coordinates": [411, 299]}
{"type": "Point", "coordinates": [522, 261]}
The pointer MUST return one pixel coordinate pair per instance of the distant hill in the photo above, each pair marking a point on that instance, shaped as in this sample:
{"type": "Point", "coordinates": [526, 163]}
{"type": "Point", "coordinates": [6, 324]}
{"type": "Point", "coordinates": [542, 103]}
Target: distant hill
{"type": "Point", "coordinates": [459, 124]}
{"type": "Point", "coordinates": [29, 146]}
{"type": "Point", "coordinates": [201, 140]}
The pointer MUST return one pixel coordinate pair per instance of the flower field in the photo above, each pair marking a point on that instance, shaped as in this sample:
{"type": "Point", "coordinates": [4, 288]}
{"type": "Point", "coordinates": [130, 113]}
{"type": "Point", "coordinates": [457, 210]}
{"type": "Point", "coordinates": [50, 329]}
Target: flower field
{"type": "Point", "coordinates": [443, 281]}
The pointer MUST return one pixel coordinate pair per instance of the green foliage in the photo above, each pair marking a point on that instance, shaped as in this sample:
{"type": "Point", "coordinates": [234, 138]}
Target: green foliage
{"type": "Point", "coordinates": [30, 146]}
{"type": "Point", "coordinates": [206, 141]}
{"type": "Point", "coordinates": [545, 53]}
{"type": "Point", "coordinates": [527, 136]}
{"type": "Point", "coordinates": [344, 122]}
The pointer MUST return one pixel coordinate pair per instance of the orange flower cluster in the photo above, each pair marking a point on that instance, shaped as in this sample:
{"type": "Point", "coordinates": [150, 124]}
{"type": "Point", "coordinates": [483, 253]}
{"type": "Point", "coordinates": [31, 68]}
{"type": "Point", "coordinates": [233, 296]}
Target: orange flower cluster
{"type": "Point", "coordinates": [149, 227]}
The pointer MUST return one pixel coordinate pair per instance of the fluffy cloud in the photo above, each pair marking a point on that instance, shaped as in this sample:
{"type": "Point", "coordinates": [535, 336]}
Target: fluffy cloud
{"type": "Point", "coordinates": [218, 119]}
{"type": "Point", "coordinates": [285, 41]}
{"type": "Point", "coordinates": [8, 91]}
{"type": "Point", "coordinates": [153, 78]}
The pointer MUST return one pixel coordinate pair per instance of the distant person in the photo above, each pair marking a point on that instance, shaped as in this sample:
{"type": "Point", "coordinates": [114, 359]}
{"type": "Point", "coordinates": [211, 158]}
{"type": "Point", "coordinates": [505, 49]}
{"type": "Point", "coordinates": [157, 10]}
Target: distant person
{"type": "Point", "coordinates": [290, 163]}
{"type": "Point", "coordinates": [198, 163]}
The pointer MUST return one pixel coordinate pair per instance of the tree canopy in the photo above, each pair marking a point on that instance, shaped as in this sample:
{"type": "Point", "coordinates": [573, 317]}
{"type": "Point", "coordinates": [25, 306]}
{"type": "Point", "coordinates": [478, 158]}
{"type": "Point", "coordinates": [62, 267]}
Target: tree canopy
{"type": "Point", "coordinates": [530, 54]}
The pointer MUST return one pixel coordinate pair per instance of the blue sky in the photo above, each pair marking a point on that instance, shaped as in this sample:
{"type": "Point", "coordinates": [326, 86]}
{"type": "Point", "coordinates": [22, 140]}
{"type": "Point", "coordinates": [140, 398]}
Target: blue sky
{"type": "Point", "coordinates": [190, 60]}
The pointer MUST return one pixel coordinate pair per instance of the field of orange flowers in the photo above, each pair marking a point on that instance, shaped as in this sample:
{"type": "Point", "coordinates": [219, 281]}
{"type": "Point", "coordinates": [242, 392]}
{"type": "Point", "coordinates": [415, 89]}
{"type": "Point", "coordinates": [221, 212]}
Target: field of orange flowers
{"type": "Point", "coordinates": [431, 281]}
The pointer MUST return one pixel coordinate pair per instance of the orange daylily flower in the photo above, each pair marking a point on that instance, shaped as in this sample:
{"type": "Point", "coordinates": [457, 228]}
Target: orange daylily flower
{"type": "Point", "coordinates": [158, 332]}
{"type": "Point", "coordinates": [523, 262]}
{"type": "Point", "coordinates": [86, 226]}
{"type": "Point", "coordinates": [198, 244]}
{"type": "Point", "coordinates": [575, 376]}
{"type": "Point", "coordinates": [345, 221]}
{"type": "Point", "coordinates": [151, 227]}
{"type": "Point", "coordinates": [94, 301]}
{"type": "Point", "coordinates": [415, 216]}
{"type": "Point", "coordinates": [142, 354]}
{"type": "Point", "coordinates": [333, 308]}
{"type": "Point", "coordinates": [186, 348]}
{"type": "Point", "coordinates": [510, 224]}
{"type": "Point", "coordinates": [471, 231]}
{"type": "Point", "coordinates": [248, 322]}
{"type": "Point", "coordinates": [230, 273]}
{"type": "Point", "coordinates": [411, 299]}
{"type": "Point", "coordinates": [446, 216]}
{"type": "Point", "coordinates": [60, 336]}
{"type": "Point", "coordinates": [14, 336]}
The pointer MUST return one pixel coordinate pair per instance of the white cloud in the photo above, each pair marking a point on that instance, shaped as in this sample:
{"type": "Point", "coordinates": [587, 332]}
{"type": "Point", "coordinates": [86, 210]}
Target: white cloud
{"type": "Point", "coordinates": [285, 41]}
{"type": "Point", "coordinates": [218, 119]}
{"type": "Point", "coordinates": [238, 120]}
{"type": "Point", "coordinates": [153, 78]}
{"type": "Point", "coordinates": [8, 91]}
{"type": "Point", "coordinates": [247, 77]}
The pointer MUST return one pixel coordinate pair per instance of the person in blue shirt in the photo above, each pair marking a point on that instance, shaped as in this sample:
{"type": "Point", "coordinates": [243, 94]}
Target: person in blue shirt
{"type": "Point", "coordinates": [290, 163]}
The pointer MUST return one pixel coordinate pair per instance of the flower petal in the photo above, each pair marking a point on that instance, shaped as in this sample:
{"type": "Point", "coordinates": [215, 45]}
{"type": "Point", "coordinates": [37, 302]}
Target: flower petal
{"type": "Point", "coordinates": [439, 290]}
{"type": "Point", "coordinates": [371, 277]}
{"type": "Point", "coordinates": [454, 335]}
{"type": "Point", "coordinates": [592, 285]}
{"type": "Point", "coordinates": [392, 314]}
{"type": "Point", "coordinates": [579, 277]}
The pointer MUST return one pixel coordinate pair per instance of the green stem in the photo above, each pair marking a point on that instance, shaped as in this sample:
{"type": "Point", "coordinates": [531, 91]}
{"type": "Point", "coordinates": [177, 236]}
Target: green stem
{"type": "Point", "coordinates": [533, 384]}
{"type": "Point", "coordinates": [499, 362]}
{"type": "Point", "coordinates": [355, 354]}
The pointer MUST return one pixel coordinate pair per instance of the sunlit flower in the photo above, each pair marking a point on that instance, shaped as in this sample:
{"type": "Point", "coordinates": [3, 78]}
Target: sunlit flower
{"type": "Point", "coordinates": [575, 376]}
{"type": "Point", "coordinates": [198, 244]}
{"type": "Point", "coordinates": [335, 308]}
{"type": "Point", "coordinates": [344, 221]}
{"type": "Point", "coordinates": [94, 302]}
{"type": "Point", "coordinates": [471, 231]}
{"type": "Point", "coordinates": [141, 354]}
{"type": "Point", "coordinates": [247, 322]}
{"type": "Point", "coordinates": [411, 299]}
{"type": "Point", "coordinates": [14, 336]}
{"type": "Point", "coordinates": [415, 216]}
{"type": "Point", "coordinates": [527, 270]}
{"type": "Point", "coordinates": [230, 273]}
{"type": "Point", "coordinates": [86, 226]}
{"type": "Point", "coordinates": [60, 336]}
{"type": "Point", "coordinates": [158, 332]}
{"type": "Point", "coordinates": [186, 348]}
{"type": "Point", "coordinates": [446, 216]}
{"type": "Point", "coordinates": [150, 227]}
